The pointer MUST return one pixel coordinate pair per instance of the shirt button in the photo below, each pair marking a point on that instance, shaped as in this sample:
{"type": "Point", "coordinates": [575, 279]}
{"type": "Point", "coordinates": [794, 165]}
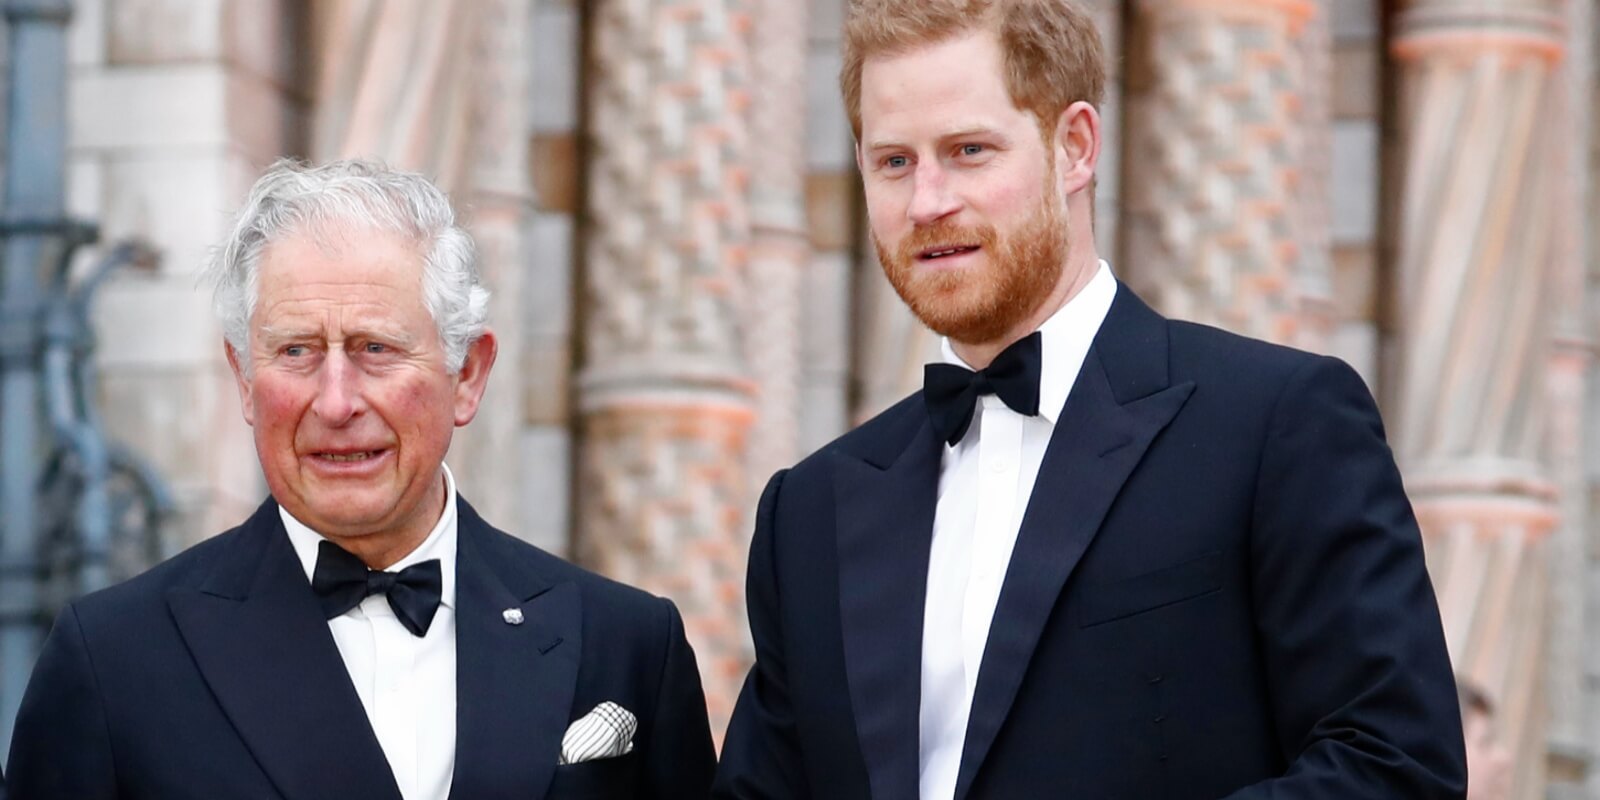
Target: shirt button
{"type": "Point", "coordinates": [999, 467]}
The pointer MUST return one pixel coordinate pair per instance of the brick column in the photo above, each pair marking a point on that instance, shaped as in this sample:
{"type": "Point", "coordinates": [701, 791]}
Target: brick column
{"type": "Point", "coordinates": [664, 395]}
{"type": "Point", "coordinates": [1213, 228]}
{"type": "Point", "coordinates": [780, 247]}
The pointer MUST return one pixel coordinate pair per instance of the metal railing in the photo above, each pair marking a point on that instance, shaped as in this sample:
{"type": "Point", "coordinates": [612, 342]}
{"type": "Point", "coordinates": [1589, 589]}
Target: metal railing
{"type": "Point", "coordinates": [77, 511]}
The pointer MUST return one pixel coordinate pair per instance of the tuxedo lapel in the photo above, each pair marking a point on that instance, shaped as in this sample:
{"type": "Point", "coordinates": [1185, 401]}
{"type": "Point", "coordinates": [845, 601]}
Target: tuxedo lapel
{"type": "Point", "coordinates": [261, 642]}
{"type": "Point", "coordinates": [514, 682]}
{"type": "Point", "coordinates": [885, 529]}
{"type": "Point", "coordinates": [1117, 406]}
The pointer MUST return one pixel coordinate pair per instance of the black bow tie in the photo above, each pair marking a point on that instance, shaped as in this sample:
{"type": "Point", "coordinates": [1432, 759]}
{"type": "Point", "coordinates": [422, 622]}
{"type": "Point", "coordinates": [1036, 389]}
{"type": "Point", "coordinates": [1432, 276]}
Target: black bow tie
{"type": "Point", "coordinates": [341, 582]}
{"type": "Point", "coordinates": [952, 392]}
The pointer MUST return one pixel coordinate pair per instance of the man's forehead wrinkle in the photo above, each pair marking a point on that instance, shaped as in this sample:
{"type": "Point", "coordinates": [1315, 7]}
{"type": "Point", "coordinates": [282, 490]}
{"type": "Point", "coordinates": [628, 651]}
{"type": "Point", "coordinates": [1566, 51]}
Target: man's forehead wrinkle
{"type": "Point", "coordinates": [333, 235]}
{"type": "Point", "coordinates": [293, 317]}
{"type": "Point", "coordinates": [320, 281]}
{"type": "Point", "coordinates": [338, 248]}
{"type": "Point", "coordinates": [319, 305]}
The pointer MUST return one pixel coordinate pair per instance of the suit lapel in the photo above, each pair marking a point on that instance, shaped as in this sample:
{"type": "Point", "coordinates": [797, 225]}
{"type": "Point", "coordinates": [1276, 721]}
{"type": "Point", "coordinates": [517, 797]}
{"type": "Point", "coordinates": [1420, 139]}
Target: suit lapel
{"type": "Point", "coordinates": [261, 642]}
{"type": "Point", "coordinates": [885, 529]}
{"type": "Point", "coordinates": [1119, 403]}
{"type": "Point", "coordinates": [514, 683]}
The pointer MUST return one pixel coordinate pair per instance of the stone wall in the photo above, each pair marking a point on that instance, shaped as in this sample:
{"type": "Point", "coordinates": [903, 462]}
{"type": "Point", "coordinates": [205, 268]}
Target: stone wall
{"type": "Point", "coordinates": [176, 106]}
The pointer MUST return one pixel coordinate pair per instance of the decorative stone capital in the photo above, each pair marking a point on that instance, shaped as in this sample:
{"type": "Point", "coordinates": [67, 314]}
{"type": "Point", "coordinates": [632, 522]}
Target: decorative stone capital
{"type": "Point", "coordinates": [1437, 29]}
{"type": "Point", "coordinates": [1296, 13]}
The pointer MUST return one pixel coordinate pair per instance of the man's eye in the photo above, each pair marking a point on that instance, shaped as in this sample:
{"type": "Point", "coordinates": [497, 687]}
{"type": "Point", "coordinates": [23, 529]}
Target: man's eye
{"type": "Point", "coordinates": [295, 350]}
{"type": "Point", "coordinates": [972, 149]}
{"type": "Point", "coordinates": [375, 347]}
{"type": "Point", "coordinates": [896, 162]}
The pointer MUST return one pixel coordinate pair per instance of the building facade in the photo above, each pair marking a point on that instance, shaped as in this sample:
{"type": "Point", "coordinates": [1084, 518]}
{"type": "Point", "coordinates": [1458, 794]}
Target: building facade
{"type": "Point", "coordinates": [665, 199]}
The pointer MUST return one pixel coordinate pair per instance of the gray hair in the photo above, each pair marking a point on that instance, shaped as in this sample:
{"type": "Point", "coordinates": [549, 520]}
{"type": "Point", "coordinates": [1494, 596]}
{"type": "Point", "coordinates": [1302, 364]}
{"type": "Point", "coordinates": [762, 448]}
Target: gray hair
{"type": "Point", "coordinates": [293, 197]}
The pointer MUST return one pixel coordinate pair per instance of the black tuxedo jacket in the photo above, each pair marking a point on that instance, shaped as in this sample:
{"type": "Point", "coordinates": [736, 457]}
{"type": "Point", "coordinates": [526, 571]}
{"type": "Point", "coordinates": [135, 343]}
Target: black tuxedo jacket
{"type": "Point", "coordinates": [214, 676]}
{"type": "Point", "coordinates": [1217, 591]}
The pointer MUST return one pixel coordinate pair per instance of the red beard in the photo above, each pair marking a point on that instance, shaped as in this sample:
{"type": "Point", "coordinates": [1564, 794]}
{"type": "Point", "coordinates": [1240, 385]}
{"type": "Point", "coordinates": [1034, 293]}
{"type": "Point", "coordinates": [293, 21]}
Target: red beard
{"type": "Point", "coordinates": [974, 306]}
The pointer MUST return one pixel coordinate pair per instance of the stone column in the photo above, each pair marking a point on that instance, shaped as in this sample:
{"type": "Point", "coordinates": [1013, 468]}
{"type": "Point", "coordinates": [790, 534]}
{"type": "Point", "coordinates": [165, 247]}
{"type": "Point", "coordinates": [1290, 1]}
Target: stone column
{"type": "Point", "coordinates": [1572, 730]}
{"type": "Point", "coordinates": [548, 306]}
{"type": "Point", "coordinates": [1313, 268]}
{"type": "Point", "coordinates": [833, 213]}
{"type": "Point", "coordinates": [780, 246]}
{"type": "Point", "coordinates": [664, 396]}
{"type": "Point", "coordinates": [1108, 17]}
{"type": "Point", "coordinates": [1477, 248]}
{"type": "Point", "coordinates": [441, 89]}
{"type": "Point", "coordinates": [496, 202]}
{"type": "Point", "coordinates": [394, 81]}
{"type": "Point", "coordinates": [1586, 70]}
{"type": "Point", "coordinates": [1212, 229]}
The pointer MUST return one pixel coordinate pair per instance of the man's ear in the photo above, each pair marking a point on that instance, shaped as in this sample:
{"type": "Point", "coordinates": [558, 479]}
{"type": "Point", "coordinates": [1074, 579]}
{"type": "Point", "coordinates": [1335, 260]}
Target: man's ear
{"type": "Point", "coordinates": [242, 382]}
{"type": "Point", "coordinates": [474, 376]}
{"type": "Point", "coordinates": [1077, 147]}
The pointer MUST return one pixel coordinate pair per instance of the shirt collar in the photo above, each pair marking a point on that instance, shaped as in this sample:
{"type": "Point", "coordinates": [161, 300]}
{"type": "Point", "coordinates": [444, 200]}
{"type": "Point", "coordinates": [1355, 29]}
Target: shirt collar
{"type": "Point", "coordinates": [1065, 340]}
{"type": "Point", "coordinates": [440, 543]}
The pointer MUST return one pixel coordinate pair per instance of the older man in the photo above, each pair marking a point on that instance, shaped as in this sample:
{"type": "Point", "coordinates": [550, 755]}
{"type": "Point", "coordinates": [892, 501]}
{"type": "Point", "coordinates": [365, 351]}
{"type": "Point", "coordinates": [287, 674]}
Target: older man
{"type": "Point", "coordinates": [365, 634]}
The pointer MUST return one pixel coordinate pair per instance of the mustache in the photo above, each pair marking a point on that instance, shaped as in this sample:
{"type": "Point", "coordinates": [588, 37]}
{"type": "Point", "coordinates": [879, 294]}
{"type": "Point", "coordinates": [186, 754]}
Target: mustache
{"type": "Point", "coordinates": [944, 234]}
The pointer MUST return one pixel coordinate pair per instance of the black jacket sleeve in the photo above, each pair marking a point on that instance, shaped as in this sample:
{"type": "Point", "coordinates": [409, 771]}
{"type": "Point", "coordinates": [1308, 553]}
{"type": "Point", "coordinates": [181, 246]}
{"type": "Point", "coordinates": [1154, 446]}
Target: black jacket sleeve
{"type": "Point", "coordinates": [1358, 673]}
{"type": "Point", "coordinates": [681, 759]}
{"type": "Point", "coordinates": [61, 746]}
{"type": "Point", "coordinates": [761, 754]}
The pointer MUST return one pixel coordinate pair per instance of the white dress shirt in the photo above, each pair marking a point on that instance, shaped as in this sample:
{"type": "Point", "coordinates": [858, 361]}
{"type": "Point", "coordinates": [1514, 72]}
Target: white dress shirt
{"type": "Point", "coordinates": [407, 683]}
{"type": "Point", "coordinates": [985, 481]}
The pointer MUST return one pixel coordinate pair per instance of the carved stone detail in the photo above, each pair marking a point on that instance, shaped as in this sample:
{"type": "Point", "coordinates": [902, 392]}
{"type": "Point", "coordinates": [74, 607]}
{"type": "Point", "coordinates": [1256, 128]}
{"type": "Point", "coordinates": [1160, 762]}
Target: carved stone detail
{"type": "Point", "coordinates": [1215, 159]}
{"type": "Point", "coordinates": [780, 249]}
{"type": "Point", "coordinates": [443, 91]}
{"type": "Point", "coordinates": [394, 81]}
{"type": "Point", "coordinates": [664, 394]}
{"type": "Point", "coordinates": [1478, 204]}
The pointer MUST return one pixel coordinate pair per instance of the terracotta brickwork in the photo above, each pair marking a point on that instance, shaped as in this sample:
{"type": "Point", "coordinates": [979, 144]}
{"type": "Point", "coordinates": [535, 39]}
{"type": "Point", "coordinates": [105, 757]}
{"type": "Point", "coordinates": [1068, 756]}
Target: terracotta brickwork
{"type": "Point", "coordinates": [1216, 117]}
{"type": "Point", "coordinates": [665, 397]}
{"type": "Point", "coordinates": [780, 250]}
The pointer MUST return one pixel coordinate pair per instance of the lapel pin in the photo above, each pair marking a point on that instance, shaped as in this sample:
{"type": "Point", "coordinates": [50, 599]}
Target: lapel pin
{"type": "Point", "coordinates": [512, 616]}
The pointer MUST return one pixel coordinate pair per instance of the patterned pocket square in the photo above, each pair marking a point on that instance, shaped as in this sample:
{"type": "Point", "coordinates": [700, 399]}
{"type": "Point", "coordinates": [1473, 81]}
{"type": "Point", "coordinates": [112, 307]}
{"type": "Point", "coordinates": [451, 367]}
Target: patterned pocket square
{"type": "Point", "coordinates": [605, 732]}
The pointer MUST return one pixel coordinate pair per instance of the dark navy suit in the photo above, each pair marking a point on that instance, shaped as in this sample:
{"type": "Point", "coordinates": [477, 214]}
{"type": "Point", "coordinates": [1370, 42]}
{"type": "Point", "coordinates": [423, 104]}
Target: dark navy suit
{"type": "Point", "coordinates": [215, 676]}
{"type": "Point", "coordinates": [1217, 590]}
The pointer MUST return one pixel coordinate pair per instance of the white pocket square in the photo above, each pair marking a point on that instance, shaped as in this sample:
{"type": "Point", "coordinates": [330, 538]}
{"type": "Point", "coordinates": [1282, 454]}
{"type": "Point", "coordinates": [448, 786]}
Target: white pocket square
{"type": "Point", "coordinates": [605, 732]}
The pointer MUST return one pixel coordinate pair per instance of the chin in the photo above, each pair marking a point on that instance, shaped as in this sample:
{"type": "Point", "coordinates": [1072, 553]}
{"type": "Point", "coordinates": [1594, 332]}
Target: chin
{"type": "Point", "coordinates": [955, 316]}
{"type": "Point", "coordinates": [347, 512]}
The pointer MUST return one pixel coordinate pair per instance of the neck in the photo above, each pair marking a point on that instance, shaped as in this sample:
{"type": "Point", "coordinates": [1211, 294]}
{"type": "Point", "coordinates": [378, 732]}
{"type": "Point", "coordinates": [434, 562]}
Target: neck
{"type": "Point", "coordinates": [383, 550]}
{"type": "Point", "coordinates": [1080, 269]}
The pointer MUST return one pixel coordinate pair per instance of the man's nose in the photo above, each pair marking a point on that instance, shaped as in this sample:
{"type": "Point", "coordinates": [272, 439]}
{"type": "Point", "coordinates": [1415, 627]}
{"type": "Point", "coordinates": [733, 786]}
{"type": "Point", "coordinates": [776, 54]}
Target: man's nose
{"type": "Point", "coordinates": [338, 389]}
{"type": "Point", "coordinates": [931, 198]}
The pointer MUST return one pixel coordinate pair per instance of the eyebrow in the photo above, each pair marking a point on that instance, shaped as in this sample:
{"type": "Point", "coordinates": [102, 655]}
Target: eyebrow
{"type": "Point", "coordinates": [281, 333]}
{"type": "Point", "coordinates": [959, 133]}
{"type": "Point", "coordinates": [289, 333]}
